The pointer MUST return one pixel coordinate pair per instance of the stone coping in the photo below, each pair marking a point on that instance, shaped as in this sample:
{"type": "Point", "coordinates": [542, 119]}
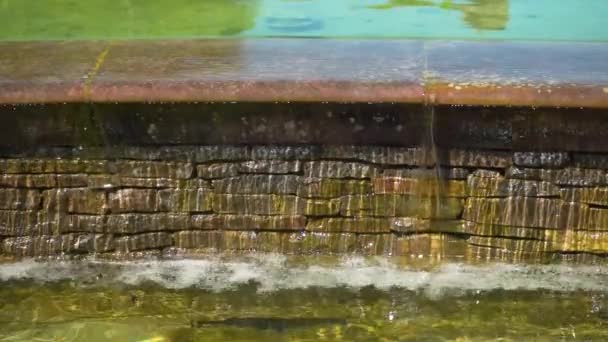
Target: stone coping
{"type": "Point", "coordinates": [312, 70]}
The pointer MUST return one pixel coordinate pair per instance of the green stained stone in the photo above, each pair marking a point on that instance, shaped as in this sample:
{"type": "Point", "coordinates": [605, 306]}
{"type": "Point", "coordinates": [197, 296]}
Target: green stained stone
{"type": "Point", "coordinates": [332, 188]}
{"type": "Point", "coordinates": [393, 205]}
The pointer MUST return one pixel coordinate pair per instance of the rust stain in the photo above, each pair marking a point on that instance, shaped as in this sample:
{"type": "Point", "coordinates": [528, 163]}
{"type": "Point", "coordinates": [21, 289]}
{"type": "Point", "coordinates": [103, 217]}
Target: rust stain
{"type": "Point", "coordinates": [90, 76]}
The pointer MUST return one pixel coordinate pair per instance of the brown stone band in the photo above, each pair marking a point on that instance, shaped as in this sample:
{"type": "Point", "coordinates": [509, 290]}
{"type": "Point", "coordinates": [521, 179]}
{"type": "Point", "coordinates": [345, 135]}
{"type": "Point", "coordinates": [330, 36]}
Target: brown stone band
{"type": "Point", "coordinates": [311, 70]}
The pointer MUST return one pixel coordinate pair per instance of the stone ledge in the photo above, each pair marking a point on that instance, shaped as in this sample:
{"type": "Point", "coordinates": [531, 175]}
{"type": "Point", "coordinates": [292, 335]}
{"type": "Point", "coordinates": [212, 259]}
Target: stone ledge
{"type": "Point", "coordinates": [406, 71]}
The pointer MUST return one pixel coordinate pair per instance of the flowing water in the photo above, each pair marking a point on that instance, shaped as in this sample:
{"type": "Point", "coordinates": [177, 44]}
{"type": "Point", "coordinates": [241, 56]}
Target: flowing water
{"type": "Point", "coordinates": [278, 298]}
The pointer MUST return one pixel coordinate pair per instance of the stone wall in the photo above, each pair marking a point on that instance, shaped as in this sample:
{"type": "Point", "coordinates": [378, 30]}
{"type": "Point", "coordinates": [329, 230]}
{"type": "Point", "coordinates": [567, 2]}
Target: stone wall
{"type": "Point", "coordinates": [303, 199]}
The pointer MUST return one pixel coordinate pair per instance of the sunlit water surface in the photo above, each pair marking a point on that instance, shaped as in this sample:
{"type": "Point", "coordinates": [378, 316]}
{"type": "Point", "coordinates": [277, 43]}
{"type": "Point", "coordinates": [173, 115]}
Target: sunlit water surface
{"type": "Point", "coordinates": [275, 298]}
{"type": "Point", "coordinates": [570, 20]}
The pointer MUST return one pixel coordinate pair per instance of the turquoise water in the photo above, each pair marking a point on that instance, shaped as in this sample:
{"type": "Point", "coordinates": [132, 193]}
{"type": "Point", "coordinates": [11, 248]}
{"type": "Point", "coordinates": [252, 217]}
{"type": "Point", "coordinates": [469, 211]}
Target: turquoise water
{"type": "Point", "coordinates": [553, 20]}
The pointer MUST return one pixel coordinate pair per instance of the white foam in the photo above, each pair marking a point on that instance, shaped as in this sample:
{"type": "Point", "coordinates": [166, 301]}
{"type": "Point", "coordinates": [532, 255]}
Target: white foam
{"type": "Point", "coordinates": [273, 272]}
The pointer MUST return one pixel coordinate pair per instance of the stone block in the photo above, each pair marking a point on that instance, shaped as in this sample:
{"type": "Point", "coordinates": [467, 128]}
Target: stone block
{"type": "Point", "coordinates": [144, 241]}
{"type": "Point", "coordinates": [257, 184]}
{"type": "Point", "coordinates": [154, 169]}
{"type": "Point", "coordinates": [526, 212]}
{"type": "Point", "coordinates": [186, 201]}
{"type": "Point", "coordinates": [57, 166]}
{"type": "Point", "coordinates": [21, 223]}
{"type": "Point", "coordinates": [249, 222]}
{"type": "Point", "coordinates": [19, 199]}
{"type": "Point", "coordinates": [394, 205]}
{"type": "Point", "coordinates": [581, 242]}
{"type": "Point", "coordinates": [217, 171]}
{"type": "Point", "coordinates": [564, 177]}
{"type": "Point", "coordinates": [43, 181]}
{"type": "Point", "coordinates": [332, 188]}
{"type": "Point", "coordinates": [513, 245]}
{"type": "Point", "coordinates": [492, 230]}
{"type": "Point", "coordinates": [46, 245]}
{"type": "Point", "coordinates": [548, 160]}
{"type": "Point", "coordinates": [591, 160]}
{"type": "Point", "coordinates": [383, 155]}
{"type": "Point", "coordinates": [476, 253]}
{"type": "Point", "coordinates": [339, 169]}
{"type": "Point", "coordinates": [329, 243]}
{"type": "Point", "coordinates": [192, 239]}
{"type": "Point", "coordinates": [350, 225]}
{"type": "Point", "coordinates": [419, 187]}
{"type": "Point", "coordinates": [596, 195]}
{"type": "Point", "coordinates": [75, 201]}
{"type": "Point", "coordinates": [436, 246]}
{"type": "Point", "coordinates": [409, 225]}
{"type": "Point", "coordinates": [455, 173]}
{"type": "Point", "coordinates": [478, 158]}
{"type": "Point", "coordinates": [504, 187]}
{"type": "Point", "coordinates": [270, 166]}
{"type": "Point", "coordinates": [141, 223]}
{"type": "Point", "coordinates": [136, 201]}
{"type": "Point", "coordinates": [282, 152]}
{"type": "Point", "coordinates": [273, 205]}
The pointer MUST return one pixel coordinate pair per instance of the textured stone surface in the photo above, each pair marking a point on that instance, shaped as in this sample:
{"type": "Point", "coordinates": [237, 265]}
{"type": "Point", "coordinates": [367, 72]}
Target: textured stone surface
{"type": "Point", "coordinates": [551, 160]}
{"type": "Point", "coordinates": [35, 166]}
{"type": "Point", "coordinates": [380, 154]}
{"type": "Point", "coordinates": [484, 229]}
{"type": "Point", "coordinates": [481, 159]}
{"type": "Point", "coordinates": [198, 239]}
{"type": "Point", "coordinates": [515, 245]}
{"type": "Point", "coordinates": [419, 187]}
{"type": "Point", "coordinates": [503, 187]}
{"type": "Point", "coordinates": [281, 152]}
{"type": "Point", "coordinates": [270, 166]}
{"type": "Point", "coordinates": [581, 241]}
{"type": "Point", "coordinates": [590, 160]}
{"type": "Point", "coordinates": [152, 169]}
{"type": "Point", "coordinates": [115, 181]}
{"type": "Point", "coordinates": [143, 241]}
{"type": "Point", "coordinates": [391, 205]}
{"type": "Point", "coordinates": [432, 173]}
{"type": "Point", "coordinates": [526, 212]}
{"type": "Point", "coordinates": [563, 177]}
{"type": "Point", "coordinates": [43, 181]}
{"type": "Point", "coordinates": [188, 200]}
{"type": "Point", "coordinates": [75, 201]}
{"type": "Point", "coordinates": [595, 195]}
{"type": "Point", "coordinates": [19, 199]}
{"type": "Point", "coordinates": [328, 243]}
{"type": "Point", "coordinates": [55, 245]}
{"type": "Point", "coordinates": [417, 226]}
{"type": "Point", "coordinates": [257, 184]}
{"type": "Point", "coordinates": [141, 223]}
{"type": "Point", "coordinates": [249, 222]}
{"type": "Point", "coordinates": [151, 201]}
{"type": "Point", "coordinates": [218, 170]}
{"type": "Point", "coordinates": [339, 169]}
{"type": "Point", "coordinates": [476, 253]}
{"type": "Point", "coordinates": [273, 205]}
{"type": "Point", "coordinates": [350, 225]}
{"type": "Point", "coordinates": [20, 223]}
{"type": "Point", "coordinates": [332, 188]}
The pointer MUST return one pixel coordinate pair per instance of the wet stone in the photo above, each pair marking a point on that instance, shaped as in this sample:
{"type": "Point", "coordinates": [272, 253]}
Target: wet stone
{"type": "Point", "coordinates": [144, 241]}
{"type": "Point", "coordinates": [480, 159]}
{"type": "Point", "coordinates": [329, 243]}
{"type": "Point", "coordinates": [419, 187]}
{"type": "Point", "coordinates": [427, 245]}
{"type": "Point", "coordinates": [258, 184]}
{"type": "Point", "coordinates": [186, 200]}
{"type": "Point", "coordinates": [332, 188]}
{"type": "Point", "coordinates": [591, 160]}
{"type": "Point", "coordinates": [350, 225]}
{"type": "Point", "coordinates": [503, 187]}
{"type": "Point", "coordinates": [481, 173]}
{"type": "Point", "coordinates": [75, 201]}
{"type": "Point", "coordinates": [43, 181]}
{"type": "Point", "coordinates": [273, 205]}
{"type": "Point", "coordinates": [199, 239]}
{"type": "Point", "coordinates": [410, 225]}
{"type": "Point", "coordinates": [597, 219]}
{"type": "Point", "coordinates": [56, 245]}
{"type": "Point", "coordinates": [135, 200]}
{"type": "Point", "coordinates": [141, 223]}
{"type": "Point", "coordinates": [249, 222]}
{"type": "Point", "coordinates": [514, 245]}
{"type": "Point", "coordinates": [19, 199]}
{"type": "Point", "coordinates": [476, 253]}
{"type": "Point", "coordinates": [526, 212]}
{"type": "Point", "coordinates": [151, 201]}
{"type": "Point", "coordinates": [216, 171]}
{"type": "Point", "coordinates": [115, 181]}
{"type": "Point", "coordinates": [36, 166]}
{"type": "Point", "coordinates": [274, 152]}
{"type": "Point", "coordinates": [384, 155]}
{"type": "Point", "coordinates": [154, 169]}
{"type": "Point", "coordinates": [20, 223]}
{"type": "Point", "coordinates": [597, 195]}
{"type": "Point", "coordinates": [483, 229]}
{"type": "Point", "coordinates": [392, 205]}
{"type": "Point", "coordinates": [550, 160]}
{"type": "Point", "coordinates": [65, 223]}
{"type": "Point", "coordinates": [339, 169]}
{"type": "Point", "coordinates": [563, 177]}
{"type": "Point", "coordinates": [424, 173]}
{"type": "Point", "coordinates": [581, 241]}
{"type": "Point", "coordinates": [270, 166]}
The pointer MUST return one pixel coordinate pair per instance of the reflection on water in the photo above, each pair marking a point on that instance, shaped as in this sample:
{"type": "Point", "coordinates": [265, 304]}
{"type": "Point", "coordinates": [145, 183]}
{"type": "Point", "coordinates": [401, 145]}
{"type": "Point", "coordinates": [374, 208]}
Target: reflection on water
{"type": "Point", "coordinates": [434, 19]}
{"type": "Point", "coordinates": [480, 14]}
{"type": "Point", "coordinates": [273, 298]}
